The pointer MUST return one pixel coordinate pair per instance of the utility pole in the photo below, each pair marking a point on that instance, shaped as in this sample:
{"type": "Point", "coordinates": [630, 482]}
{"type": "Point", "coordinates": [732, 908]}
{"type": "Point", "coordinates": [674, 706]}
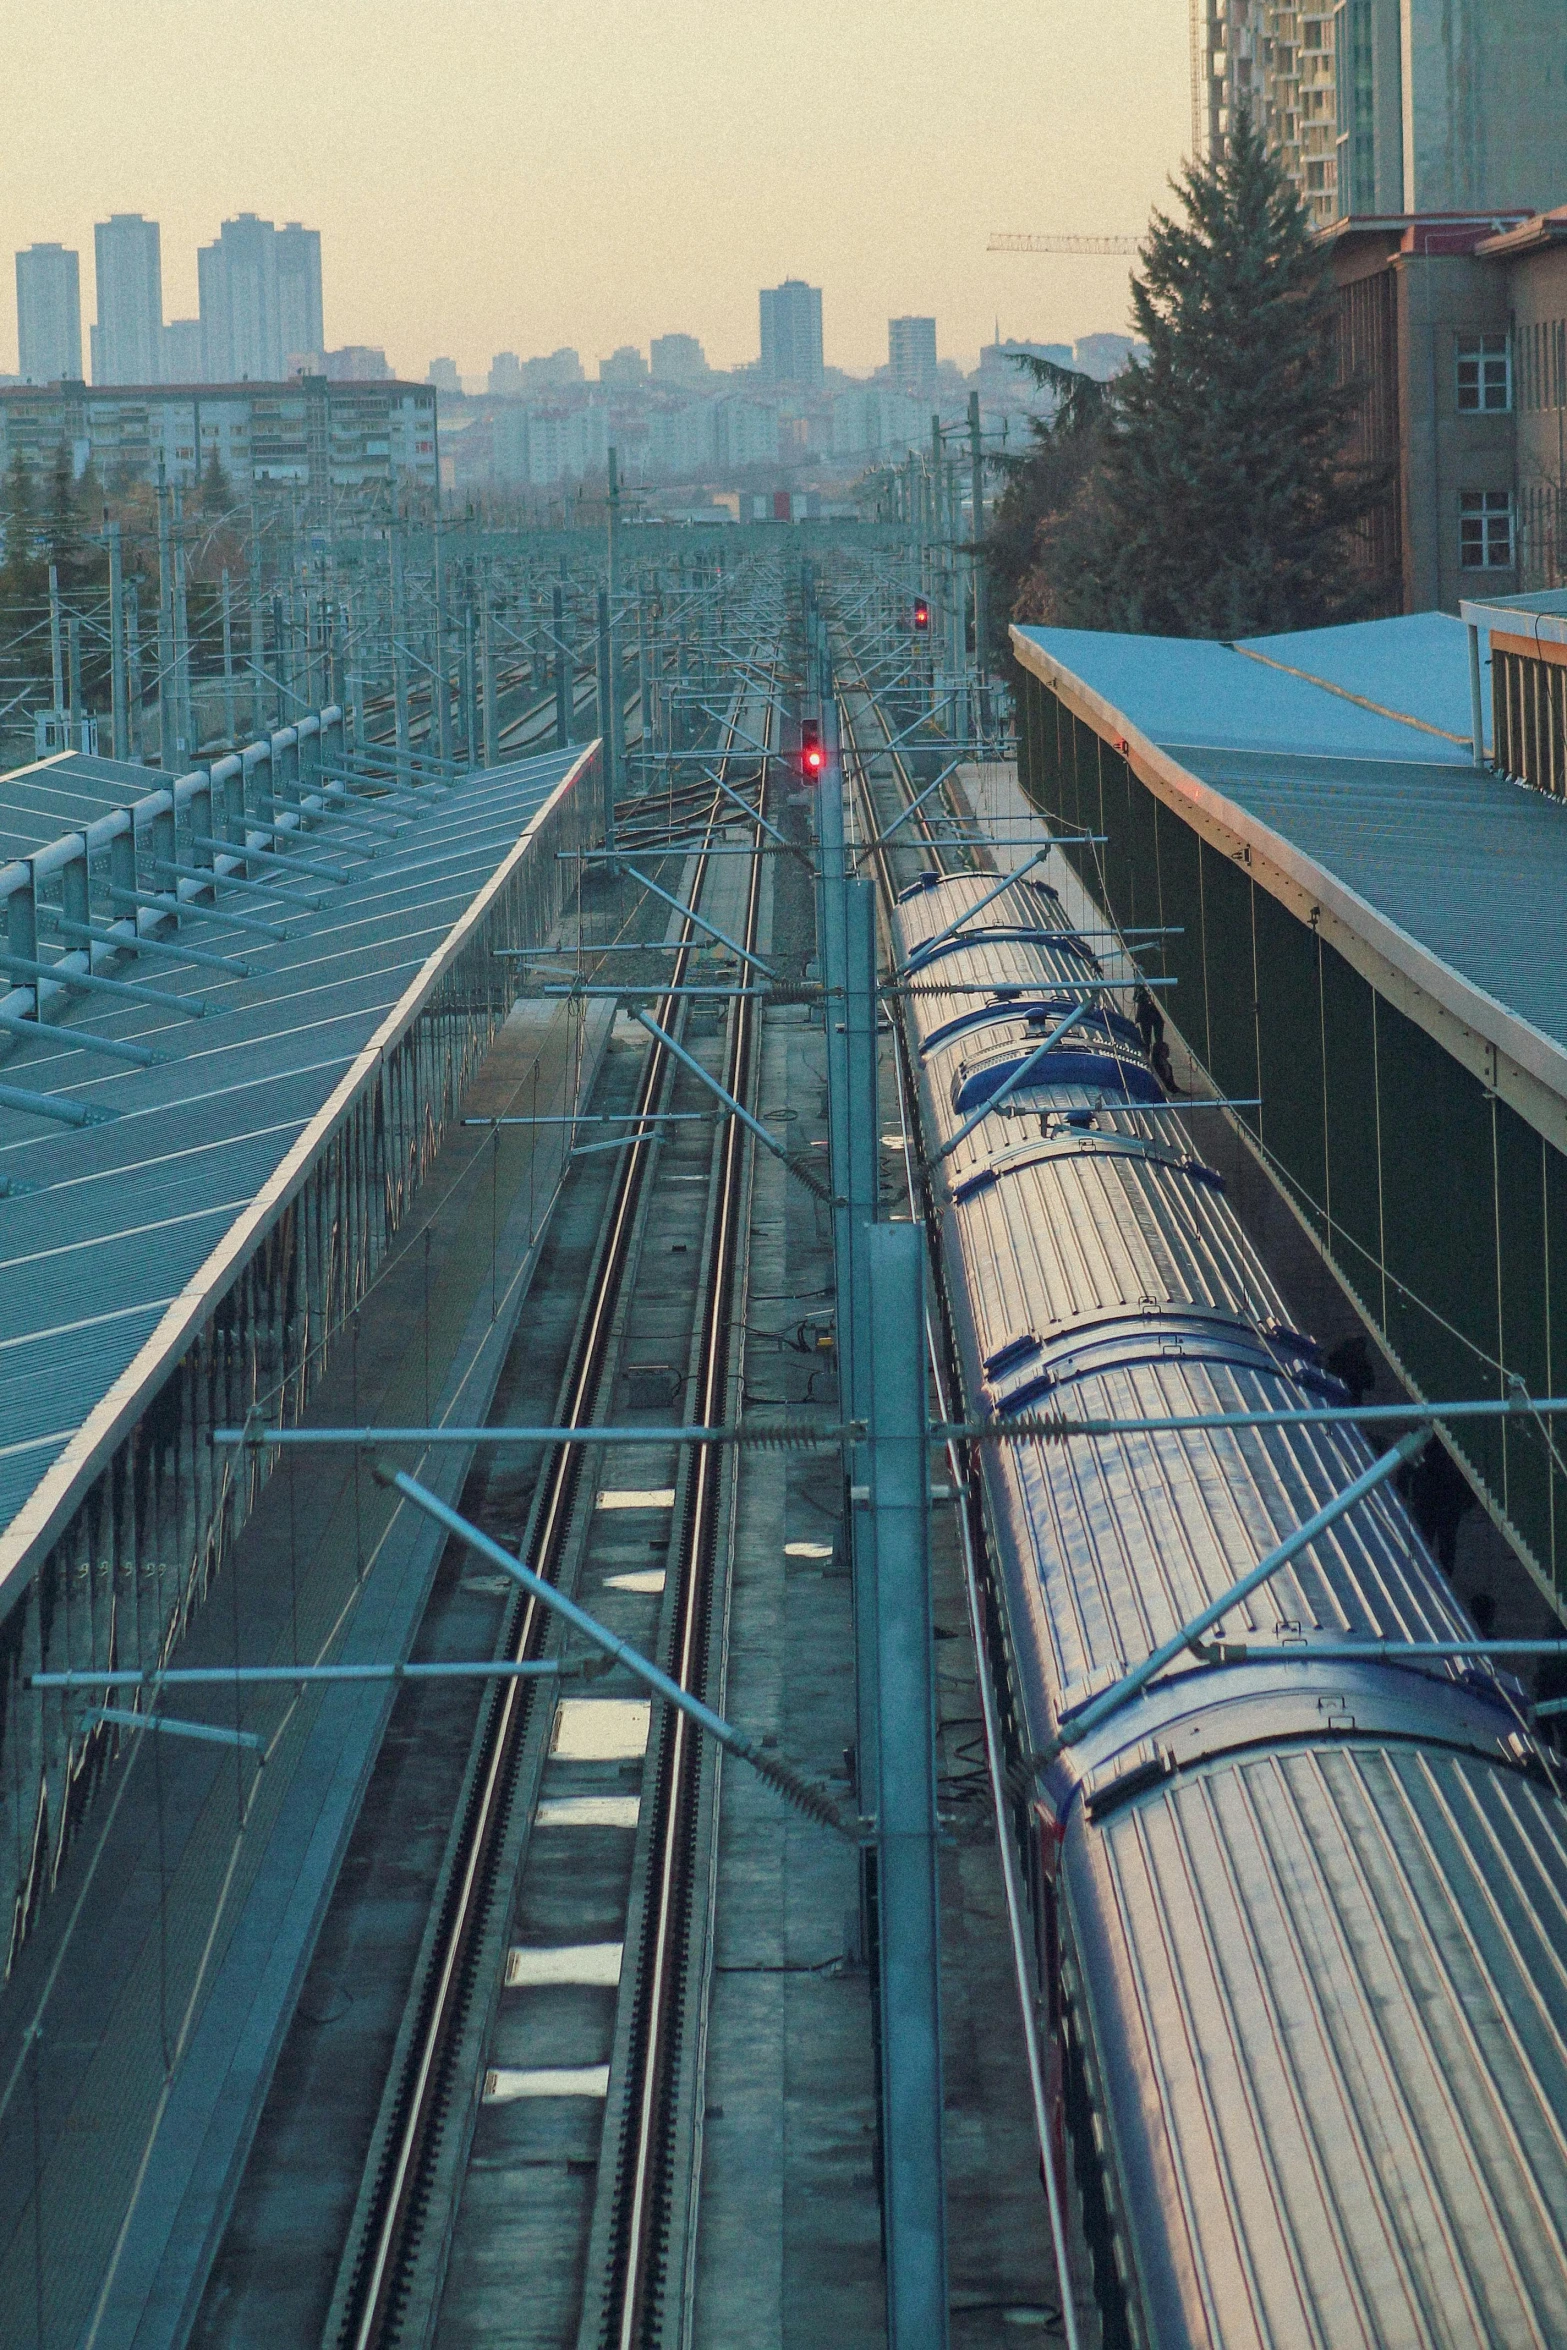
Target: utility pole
{"type": "Point", "coordinates": [487, 659]}
{"type": "Point", "coordinates": [56, 657]}
{"type": "Point", "coordinates": [120, 730]}
{"type": "Point", "coordinates": [470, 684]}
{"type": "Point", "coordinates": [563, 692]}
{"type": "Point", "coordinates": [908, 1900]}
{"type": "Point", "coordinates": [229, 714]}
{"type": "Point", "coordinates": [257, 662]}
{"type": "Point", "coordinates": [185, 736]}
{"type": "Point", "coordinates": [606, 725]}
{"type": "Point", "coordinates": [133, 677]}
{"type": "Point", "coordinates": [399, 655]}
{"type": "Point", "coordinates": [977, 497]}
{"type": "Point", "coordinates": [615, 736]}
{"type": "Point", "coordinates": [441, 682]}
{"type": "Point", "coordinates": [168, 690]}
{"type": "Point", "coordinates": [73, 648]}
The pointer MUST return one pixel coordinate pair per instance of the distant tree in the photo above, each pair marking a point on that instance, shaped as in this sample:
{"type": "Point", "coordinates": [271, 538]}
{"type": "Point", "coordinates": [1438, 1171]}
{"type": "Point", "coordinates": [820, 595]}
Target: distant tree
{"type": "Point", "coordinates": [60, 525]}
{"type": "Point", "coordinates": [18, 522]}
{"type": "Point", "coordinates": [217, 491]}
{"type": "Point", "coordinates": [1223, 503]}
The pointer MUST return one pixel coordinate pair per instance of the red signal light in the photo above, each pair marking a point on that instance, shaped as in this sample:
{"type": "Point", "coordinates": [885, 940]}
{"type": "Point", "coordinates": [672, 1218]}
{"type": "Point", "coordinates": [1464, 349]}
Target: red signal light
{"type": "Point", "coordinates": [813, 755]}
{"type": "Point", "coordinates": [922, 614]}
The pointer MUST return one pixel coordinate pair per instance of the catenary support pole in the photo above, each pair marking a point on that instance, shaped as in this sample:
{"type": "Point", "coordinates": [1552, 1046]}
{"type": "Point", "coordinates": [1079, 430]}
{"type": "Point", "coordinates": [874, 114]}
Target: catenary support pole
{"type": "Point", "coordinates": [913, 2171]}
{"type": "Point", "coordinates": [120, 730]}
{"type": "Point", "coordinates": [562, 673]}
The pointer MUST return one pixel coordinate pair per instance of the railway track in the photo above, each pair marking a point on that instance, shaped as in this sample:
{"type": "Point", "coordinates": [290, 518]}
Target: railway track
{"type": "Point", "coordinates": [414, 2209]}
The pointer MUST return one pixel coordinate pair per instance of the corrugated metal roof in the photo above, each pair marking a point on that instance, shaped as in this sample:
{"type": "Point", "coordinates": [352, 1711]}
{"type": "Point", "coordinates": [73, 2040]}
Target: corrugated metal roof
{"type": "Point", "coordinates": [124, 1214]}
{"type": "Point", "coordinates": [1186, 691]}
{"type": "Point", "coordinates": [1330, 2004]}
{"type": "Point", "coordinates": [62, 794]}
{"type": "Point", "coordinates": [1469, 866]}
{"type": "Point", "coordinates": [1416, 666]}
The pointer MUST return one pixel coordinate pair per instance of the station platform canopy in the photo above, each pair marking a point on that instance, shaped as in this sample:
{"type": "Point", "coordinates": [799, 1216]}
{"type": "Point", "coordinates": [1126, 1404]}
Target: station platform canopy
{"type": "Point", "coordinates": [115, 1237]}
{"type": "Point", "coordinates": [1366, 934]}
{"type": "Point", "coordinates": [1344, 756]}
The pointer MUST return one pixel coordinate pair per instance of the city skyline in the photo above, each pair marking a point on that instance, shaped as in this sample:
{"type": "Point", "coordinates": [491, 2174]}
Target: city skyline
{"type": "Point", "coordinates": [709, 165]}
{"type": "Point", "coordinates": [261, 319]}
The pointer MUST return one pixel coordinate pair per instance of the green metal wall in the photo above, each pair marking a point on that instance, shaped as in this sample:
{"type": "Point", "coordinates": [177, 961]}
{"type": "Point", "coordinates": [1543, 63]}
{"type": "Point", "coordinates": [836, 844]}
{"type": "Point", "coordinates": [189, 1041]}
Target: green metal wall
{"type": "Point", "coordinates": [1442, 1210]}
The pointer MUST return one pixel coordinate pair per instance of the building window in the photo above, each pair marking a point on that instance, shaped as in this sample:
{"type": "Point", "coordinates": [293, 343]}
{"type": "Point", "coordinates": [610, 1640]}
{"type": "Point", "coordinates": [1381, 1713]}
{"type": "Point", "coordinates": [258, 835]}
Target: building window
{"type": "Point", "coordinates": [1485, 376]}
{"type": "Point", "coordinates": [1485, 530]}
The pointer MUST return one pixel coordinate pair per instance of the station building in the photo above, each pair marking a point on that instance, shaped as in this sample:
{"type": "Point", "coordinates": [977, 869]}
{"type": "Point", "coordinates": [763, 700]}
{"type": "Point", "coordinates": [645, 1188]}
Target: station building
{"type": "Point", "coordinates": [1368, 935]}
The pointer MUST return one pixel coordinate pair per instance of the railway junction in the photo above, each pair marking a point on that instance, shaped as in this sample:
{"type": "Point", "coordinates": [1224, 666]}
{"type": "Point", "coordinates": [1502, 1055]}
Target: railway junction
{"type": "Point", "coordinates": [724, 1620]}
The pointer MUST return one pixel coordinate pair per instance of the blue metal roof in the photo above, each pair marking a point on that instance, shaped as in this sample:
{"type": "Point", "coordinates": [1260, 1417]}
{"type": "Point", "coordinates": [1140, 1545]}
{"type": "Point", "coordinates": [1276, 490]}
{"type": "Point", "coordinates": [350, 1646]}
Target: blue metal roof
{"type": "Point", "coordinates": [124, 1214]}
{"type": "Point", "coordinates": [62, 794]}
{"type": "Point", "coordinates": [1468, 866]}
{"type": "Point", "coordinates": [1416, 667]}
{"type": "Point", "coordinates": [1189, 692]}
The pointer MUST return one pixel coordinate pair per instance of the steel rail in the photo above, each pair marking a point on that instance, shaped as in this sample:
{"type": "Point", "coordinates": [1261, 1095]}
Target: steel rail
{"type": "Point", "coordinates": [374, 2306]}
{"type": "Point", "coordinates": [971, 1535]}
{"type": "Point", "coordinates": [638, 2243]}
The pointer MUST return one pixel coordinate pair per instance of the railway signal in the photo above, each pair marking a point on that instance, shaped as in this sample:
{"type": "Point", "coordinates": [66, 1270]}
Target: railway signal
{"type": "Point", "coordinates": [813, 752]}
{"type": "Point", "coordinates": [921, 613]}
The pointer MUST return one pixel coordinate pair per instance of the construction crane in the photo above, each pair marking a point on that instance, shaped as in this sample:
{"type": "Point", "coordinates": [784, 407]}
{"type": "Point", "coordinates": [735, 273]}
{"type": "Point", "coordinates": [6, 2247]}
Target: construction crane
{"type": "Point", "coordinates": [1000, 243]}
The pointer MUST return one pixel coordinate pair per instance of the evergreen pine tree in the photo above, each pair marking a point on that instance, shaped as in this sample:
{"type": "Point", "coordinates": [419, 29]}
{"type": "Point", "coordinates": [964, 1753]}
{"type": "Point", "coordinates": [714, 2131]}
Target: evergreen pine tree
{"type": "Point", "coordinates": [1043, 481]}
{"type": "Point", "coordinates": [1225, 502]}
{"type": "Point", "coordinates": [60, 525]}
{"type": "Point", "coordinates": [217, 493]}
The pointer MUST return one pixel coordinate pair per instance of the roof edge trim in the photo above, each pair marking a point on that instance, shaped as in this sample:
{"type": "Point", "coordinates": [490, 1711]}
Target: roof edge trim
{"type": "Point", "coordinates": [1538, 1055]}
{"type": "Point", "coordinates": [48, 1507]}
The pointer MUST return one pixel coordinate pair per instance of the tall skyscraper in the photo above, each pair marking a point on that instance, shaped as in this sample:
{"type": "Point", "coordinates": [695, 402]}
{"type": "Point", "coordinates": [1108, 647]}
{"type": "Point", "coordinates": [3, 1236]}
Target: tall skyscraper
{"type": "Point", "coordinates": [300, 330]}
{"type": "Point", "coordinates": [792, 332]}
{"type": "Point", "coordinates": [48, 315]}
{"type": "Point", "coordinates": [182, 351]}
{"type": "Point", "coordinates": [677, 359]}
{"type": "Point", "coordinates": [127, 339]}
{"type": "Point", "coordinates": [260, 301]}
{"type": "Point", "coordinates": [237, 278]}
{"type": "Point", "coordinates": [911, 351]}
{"type": "Point", "coordinates": [1389, 106]}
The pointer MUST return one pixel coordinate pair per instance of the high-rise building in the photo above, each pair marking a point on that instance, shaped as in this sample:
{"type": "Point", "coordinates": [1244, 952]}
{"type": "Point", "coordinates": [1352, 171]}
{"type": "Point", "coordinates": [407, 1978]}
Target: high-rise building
{"type": "Point", "coordinates": [48, 315]}
{"type": "Point", "coordinates": [1385, 107]}
{"type": "Point", "coordinates": [300, 331]}
{"type": "Point", "coordinates": [911, 354]}
{"type": "Point", "coordinates": [181, 343]}
{"type": "Point", "coordinates": [505, 376]}
{"type": "Point", "coordinates": [559, 367]}
{"type": "Point", "coordinates": [237, 275]}
{"type": "Point", "coordinates": [443, 374]}
{"type": "Point", "coordinates": [677, 359]}
{"type": "Point", "coordinates": [792, 332]}
{"type": "Point", "coordinates": [358, 363]}
{"type": "Point", "coordinates": [624, 367]}
{"type": "Point", "coordinates": [127, 339]}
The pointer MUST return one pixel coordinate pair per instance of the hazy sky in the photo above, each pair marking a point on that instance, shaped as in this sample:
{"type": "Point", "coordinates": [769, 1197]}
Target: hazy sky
{"type": "Point", "coordinates": [495, 174]}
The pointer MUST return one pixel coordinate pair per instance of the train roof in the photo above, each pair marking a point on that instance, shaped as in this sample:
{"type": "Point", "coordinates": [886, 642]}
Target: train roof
{"type": "Point", "coordinates": [1329, 2003]}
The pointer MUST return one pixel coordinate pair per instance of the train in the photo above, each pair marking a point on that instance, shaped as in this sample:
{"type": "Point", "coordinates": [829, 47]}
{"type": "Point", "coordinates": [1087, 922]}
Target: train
{"type": "Point", "coordinates": [1300, 1924]}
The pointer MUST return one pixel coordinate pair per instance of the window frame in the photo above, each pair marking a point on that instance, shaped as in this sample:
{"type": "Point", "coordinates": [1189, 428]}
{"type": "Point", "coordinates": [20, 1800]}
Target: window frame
{"type": "Point", "coordinates": [1480, 352]}
{"type": "Point", "coordinates": [1478, 513]}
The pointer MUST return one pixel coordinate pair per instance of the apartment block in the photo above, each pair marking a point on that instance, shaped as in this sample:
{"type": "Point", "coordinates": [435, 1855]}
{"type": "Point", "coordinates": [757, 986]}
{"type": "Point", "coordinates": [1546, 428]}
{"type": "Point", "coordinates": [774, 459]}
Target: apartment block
{"type": "Point", "coordinates": [48, 314]}
{"type": "Point", "coordinates": [349, 443]}
{"type": "Point", "coordinates": [127, 340]}
{"type": "Point", "coordinates": [1389, 106]}
{"type": "Point", "coordinates": [791, 321]}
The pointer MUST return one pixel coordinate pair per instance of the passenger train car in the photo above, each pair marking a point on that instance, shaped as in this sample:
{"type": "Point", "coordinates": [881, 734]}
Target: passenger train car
{"type": "Point", "coordinates": [1302, 1926]}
